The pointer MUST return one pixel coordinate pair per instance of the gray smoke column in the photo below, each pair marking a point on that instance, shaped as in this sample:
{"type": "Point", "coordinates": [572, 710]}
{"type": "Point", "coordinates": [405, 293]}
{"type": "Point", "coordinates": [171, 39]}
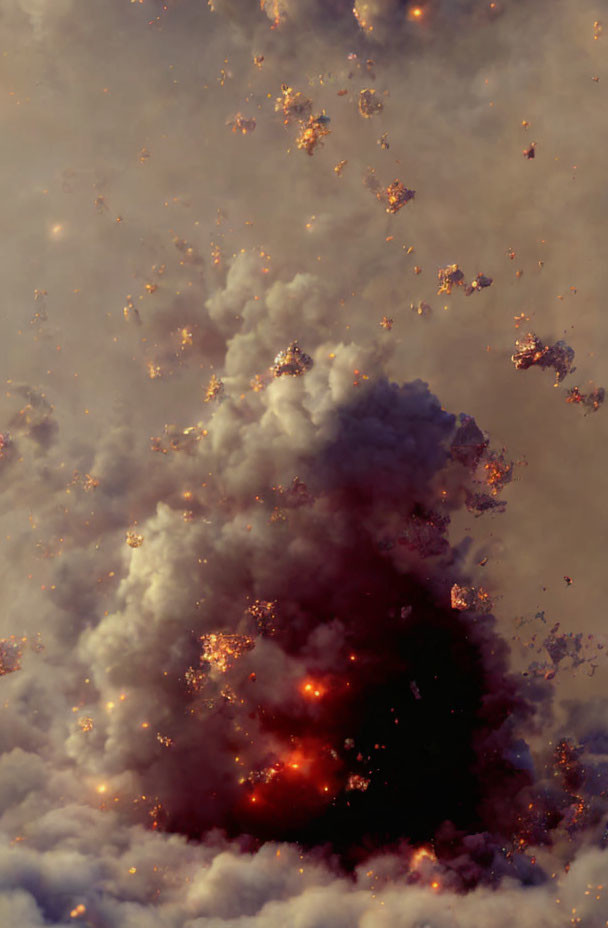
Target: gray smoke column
{"type": "Point", "coordinates": [282, 641]}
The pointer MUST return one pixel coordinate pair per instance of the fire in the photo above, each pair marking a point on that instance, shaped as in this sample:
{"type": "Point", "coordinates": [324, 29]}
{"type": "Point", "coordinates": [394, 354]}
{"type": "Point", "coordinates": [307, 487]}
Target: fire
{"type": "Point", "coordinates": [80, 909]}
{"type": "Point", "coordinates": [312, 690]}
{"type": "Point", "coordinates": [423, 853]}
{"type": "Point", "coordinates": [415, 14]}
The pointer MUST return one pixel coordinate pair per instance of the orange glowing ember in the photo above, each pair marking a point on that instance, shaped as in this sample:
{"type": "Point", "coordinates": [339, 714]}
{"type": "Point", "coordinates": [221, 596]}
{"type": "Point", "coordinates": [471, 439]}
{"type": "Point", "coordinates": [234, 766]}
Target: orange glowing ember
{"type": "Point", "coordinates": [312, 690]}
{"type": "Point", "coordinates": [415, 14]}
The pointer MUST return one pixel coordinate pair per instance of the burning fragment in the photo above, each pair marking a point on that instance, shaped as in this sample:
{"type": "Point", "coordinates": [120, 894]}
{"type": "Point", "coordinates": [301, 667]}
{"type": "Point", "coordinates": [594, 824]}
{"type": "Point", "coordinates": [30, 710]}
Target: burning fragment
{"type": "Point", "coordinates": [449, 276]}
{"type": "Point", "coordinates": [421, 308]}
{"type": "Point", "coordinates": [293, 104]}
{"type": "Point", "coordinates": [165, 740]}
{"type": "Point", "coordinates": [86, 723]}
{"type": "Point", "coordinates": [312, 132]}
{"type": "Point", "coordinates": [356, 781]}
{"type": "Point", "coordinates": [258, 60]}
{"type": "Point", "coordinates": [480, 282]}
{"type": "Point", "coordinates": [530, 152]}
{"type": "Point", "coordinates": [383, 142]}
{"type": "Point", "coordinates": [396, 195]}
{"type": "Point", "coordinates": [5, 444]}
{"type": "Point", "coordinates": [339, 167]}
{"type": "Point", "coordinates": [179, 439]}
{"type": "Point", "coordinates": [470, 599]}
{"type": "Point", "coordinates": [369, 104]}
{"type": "Point", "coordinates": [221, 649]}
{"type": "Point", "coordinates": [134, 540]}
{"type": "Point", "coordinates": [530, 351]}
{"type": "Point", "coordinates": [592, 400]}
{"type": "Point", "coordinates": [88, 482]}
{"type": "Point", "coordinates": [215, 389]}
{"type": "Point", "coordinates": [241, 124]}
{"type": "Point", "coordinates": [154, 370]}
{"type": "Point", "coordinates": [11, 651]}
{"type": "Point", "coordinates": [130, 311]}
{"type": "Point", "coordinates": [498, 471]}
{"type": "Point", "coordinates": [597, 29]}
{"type": "Point", "coordinates": [292, 361]}
{"type": "Point", "coordinates": [386, 323]}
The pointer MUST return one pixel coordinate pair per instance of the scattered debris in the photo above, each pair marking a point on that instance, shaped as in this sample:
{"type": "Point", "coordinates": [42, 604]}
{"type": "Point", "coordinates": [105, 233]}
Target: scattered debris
{"type": "Point", "coordinates": [241, 124]}
{"type": "Point", "coordinates": [592, 400]}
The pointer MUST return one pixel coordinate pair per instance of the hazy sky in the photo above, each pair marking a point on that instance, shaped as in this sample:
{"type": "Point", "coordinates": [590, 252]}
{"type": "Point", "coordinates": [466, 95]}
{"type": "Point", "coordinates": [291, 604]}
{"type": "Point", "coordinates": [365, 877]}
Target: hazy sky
{"type": "Point", "coordinates": [162, 227]}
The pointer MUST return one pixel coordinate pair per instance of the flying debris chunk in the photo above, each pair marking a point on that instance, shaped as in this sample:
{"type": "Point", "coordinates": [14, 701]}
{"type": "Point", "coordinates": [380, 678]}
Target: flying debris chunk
{"type": "Point", "coordinates": [215, 389]}
{"type": "Point", "coordinates": [292, 361]}
{"type": "Point", "coordinates": [339, 167]}
{"type": "Point", "coordinates": [480, 282]}
{"type": "Point", "coordinates": [470, 599]}
{"type": "Point", "coordinates": [134, 540]}
{"type": "Point", "coordinates": [293, 104]}
{"type": "Point", "coordinates": [369, 104]}
{"type": "Point", "coordinates": [469, 442]}
{"type": "Point", "coordinates": [448, 277]}
{"type": "Point", "coordinates": [383, 142]}
{"type": "Point", "coordinates": [241, 124]}
{"type": "Point", "coordinates": [530, 152]}
{"type": "Point", "coordinates": [592, 400]}
{"type": "Point", "coordinates": [530, 351]}
{"type": "Point", "coordinates": [312, 132]}
{"type": "Point", "coordinates": [396, 196]}
{"type": "Point", "coordinates": [386, 323]}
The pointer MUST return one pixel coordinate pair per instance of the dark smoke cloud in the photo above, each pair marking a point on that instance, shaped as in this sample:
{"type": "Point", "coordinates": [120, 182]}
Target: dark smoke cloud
{"type": "Point", "coordinates": [251, 672]}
